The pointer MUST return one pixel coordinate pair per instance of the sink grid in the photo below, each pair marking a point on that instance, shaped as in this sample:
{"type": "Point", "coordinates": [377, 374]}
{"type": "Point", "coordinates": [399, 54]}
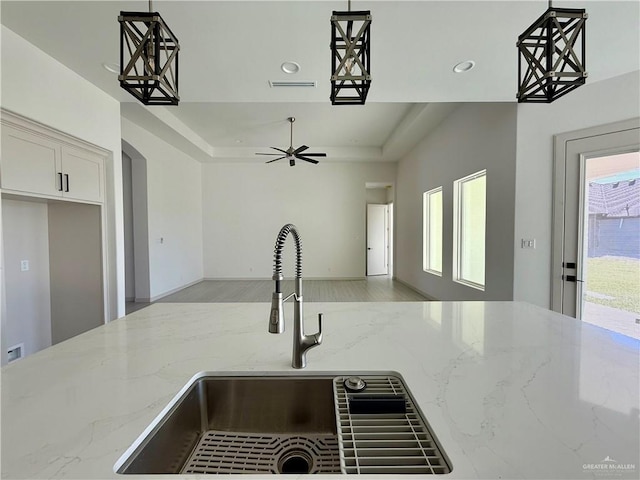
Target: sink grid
{"type": "Point", "coordinates": [390, 443]}
{"type": "Point", "coordinates": [241, 452]}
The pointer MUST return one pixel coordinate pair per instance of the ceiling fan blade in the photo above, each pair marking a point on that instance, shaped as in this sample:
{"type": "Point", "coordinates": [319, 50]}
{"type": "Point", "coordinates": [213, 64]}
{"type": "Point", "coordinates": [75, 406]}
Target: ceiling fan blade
{"type": "Point", "coordinates": [279, 149]}
{"type": "Point", "coordinates": [315, 154]}
{"type": "Point", "coordinates": [267, 154]}
{"type": "Point", "coordinates": [279, 158]}
{"type": "Point", "coordinates": [300, 149]}
{"type": "Point", "coordinates": [310, 160]}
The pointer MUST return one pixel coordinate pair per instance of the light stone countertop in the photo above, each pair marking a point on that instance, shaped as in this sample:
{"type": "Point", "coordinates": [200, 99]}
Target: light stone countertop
{"type": "Point", "coordinates": [511, 390]}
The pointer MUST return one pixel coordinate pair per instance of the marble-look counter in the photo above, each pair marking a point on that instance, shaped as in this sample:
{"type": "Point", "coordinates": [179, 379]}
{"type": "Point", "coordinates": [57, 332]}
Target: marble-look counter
{"type": "Point", "coordinates": [511, 390]}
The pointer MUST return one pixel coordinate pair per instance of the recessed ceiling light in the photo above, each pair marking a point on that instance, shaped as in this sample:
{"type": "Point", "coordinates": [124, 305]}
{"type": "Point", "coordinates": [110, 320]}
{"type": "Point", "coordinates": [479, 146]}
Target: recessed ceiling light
{"type": "Point", "coordinates": [238, 141]}
{"type": "Point", "coordinates": [290, 67]}
{"type": "Point", "coordinates": [111, 67]}
{"type": "Point", "coordinates": [464, 66]}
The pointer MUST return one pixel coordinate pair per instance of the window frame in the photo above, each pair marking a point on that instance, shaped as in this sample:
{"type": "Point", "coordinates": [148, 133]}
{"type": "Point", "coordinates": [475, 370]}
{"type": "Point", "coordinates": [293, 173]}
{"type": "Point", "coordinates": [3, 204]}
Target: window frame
{"type": "Point", "coordinates": [457, 231]}
{"type": "Point", "coordinates": [426, 230]}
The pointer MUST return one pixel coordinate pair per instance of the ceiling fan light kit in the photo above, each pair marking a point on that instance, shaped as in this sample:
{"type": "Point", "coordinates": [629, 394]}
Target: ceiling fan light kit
{"type": "Point", "coordinates": [552, 55]}
{"type": "Point", "coordinates": [148, 58]}
{"type": "Point", "coordinates": [350, 57]}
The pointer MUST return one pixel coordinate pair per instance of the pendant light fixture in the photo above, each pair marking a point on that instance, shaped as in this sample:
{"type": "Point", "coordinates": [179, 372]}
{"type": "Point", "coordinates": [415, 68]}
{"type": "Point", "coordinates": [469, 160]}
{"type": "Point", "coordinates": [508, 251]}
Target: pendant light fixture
{"type": "Point", "coordinates": [552, 56]}
{"type": "Point", "coordinates": [350, 57]}
{"type": "Point", "coordinates": [148, 58]}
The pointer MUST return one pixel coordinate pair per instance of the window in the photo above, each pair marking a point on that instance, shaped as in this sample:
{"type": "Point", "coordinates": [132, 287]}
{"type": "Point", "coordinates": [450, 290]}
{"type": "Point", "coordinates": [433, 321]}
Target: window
{"type": "Point", "coordinates": [470, 214]}
{"type": "Point", "coordinates": [432, 231]}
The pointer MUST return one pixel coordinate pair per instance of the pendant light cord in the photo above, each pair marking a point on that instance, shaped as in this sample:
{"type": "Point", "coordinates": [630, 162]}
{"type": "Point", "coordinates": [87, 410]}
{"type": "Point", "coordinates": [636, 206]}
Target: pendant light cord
{"type": "Point", "coordinates": [151, 6]}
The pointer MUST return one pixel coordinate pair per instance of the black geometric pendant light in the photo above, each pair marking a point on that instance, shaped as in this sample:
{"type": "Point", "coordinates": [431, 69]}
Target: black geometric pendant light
{"type": "Point", "coordinates": [148, 58]}
{"type": "Point", "coordinates": [552, 56]}
{"type": "Point", "coordinates": [350, 57]}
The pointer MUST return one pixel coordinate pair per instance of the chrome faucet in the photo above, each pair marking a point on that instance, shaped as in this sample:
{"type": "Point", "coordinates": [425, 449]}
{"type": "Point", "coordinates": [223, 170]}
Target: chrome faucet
{"type": "Point", "coordinates": [301, 342]}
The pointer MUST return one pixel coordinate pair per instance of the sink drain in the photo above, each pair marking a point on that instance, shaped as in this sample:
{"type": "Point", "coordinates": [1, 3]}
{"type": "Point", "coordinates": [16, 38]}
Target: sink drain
{"type": "Point", "coordinates": [295, 461]}
{"type": "Point", "coordinates": [235, 452]}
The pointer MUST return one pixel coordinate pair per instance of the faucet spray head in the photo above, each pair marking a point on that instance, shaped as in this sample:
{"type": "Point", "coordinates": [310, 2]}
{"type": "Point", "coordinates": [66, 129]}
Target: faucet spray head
{"type": "Point", "coordinates": [276, 318]}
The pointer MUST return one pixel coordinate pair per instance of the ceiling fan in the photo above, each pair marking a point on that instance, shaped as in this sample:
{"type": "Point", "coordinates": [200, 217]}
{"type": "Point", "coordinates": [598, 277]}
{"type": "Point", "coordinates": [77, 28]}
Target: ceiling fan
{"type": "Point", "coordinates": [291, 154]}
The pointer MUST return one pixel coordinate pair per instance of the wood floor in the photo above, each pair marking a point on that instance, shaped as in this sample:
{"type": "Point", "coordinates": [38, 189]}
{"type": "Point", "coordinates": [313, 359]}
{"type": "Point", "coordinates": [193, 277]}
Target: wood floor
{"type": "Point", "coordinates": [371, 289]}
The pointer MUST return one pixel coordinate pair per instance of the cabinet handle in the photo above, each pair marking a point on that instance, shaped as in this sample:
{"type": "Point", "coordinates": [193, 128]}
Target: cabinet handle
{"type": "Point", "coordinates": [66, 177]}
{"type": "Point", "coordinates": [60, 178]}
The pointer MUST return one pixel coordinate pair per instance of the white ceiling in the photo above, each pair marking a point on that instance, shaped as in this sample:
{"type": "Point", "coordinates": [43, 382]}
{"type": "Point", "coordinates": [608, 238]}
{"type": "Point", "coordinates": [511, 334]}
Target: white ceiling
{"type": "Point", "coordinates": [230, 50]}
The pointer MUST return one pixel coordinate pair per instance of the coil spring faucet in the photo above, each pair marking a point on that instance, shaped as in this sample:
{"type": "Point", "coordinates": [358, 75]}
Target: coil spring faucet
{"type": "Point", "coordinates": [301, 342]}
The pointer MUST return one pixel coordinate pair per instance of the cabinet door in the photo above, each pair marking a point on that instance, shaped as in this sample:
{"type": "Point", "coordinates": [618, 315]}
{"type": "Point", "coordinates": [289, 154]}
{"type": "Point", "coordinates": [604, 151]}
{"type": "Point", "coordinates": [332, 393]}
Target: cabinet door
{"type": "Point", "coordinates": [30, 163]}
{"type": "Point", "coordinates": [82, 175]}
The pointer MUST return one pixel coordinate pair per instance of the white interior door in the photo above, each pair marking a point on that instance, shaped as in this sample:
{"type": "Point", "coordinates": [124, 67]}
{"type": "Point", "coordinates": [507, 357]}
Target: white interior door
{"type": "Point", "coordinates": [582, 159]}
{"type": "Point", "coordinates": [377, 239]}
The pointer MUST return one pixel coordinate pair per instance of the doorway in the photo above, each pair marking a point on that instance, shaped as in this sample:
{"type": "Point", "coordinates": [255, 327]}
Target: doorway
{"type": "Point", "coordinates": [596, 262]}
{"type": "Point", "coordinates": [136, 228]}
{"type": "Point", "coordinates": [379, 229]}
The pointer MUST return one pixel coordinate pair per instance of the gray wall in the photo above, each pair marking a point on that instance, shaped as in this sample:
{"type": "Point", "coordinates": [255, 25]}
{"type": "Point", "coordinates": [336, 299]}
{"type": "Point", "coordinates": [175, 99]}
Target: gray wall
{"type": "Point", "coordinates": [28, 311]}
{"type": "Point", "coordinates": [474, 137]}
{"type": "Point", "coordinates": [127, 205]}
{"type": "Point", "coordinates": [75, 256]}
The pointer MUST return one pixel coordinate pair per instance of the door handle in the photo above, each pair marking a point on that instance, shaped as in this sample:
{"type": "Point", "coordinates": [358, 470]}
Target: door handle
{"type": "Point", "coordinates": [369, 248]}
{"type": "Point", "coordinates": [66, 176]}
{"type": "Point", "coordinates": [60, 178]}
{"type": "Point", "coordinates": [571, 278]}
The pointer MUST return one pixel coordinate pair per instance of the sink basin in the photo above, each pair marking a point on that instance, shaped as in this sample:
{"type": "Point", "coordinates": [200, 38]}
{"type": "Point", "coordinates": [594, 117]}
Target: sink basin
{"type": "Point", "coordinates": [283, 424]}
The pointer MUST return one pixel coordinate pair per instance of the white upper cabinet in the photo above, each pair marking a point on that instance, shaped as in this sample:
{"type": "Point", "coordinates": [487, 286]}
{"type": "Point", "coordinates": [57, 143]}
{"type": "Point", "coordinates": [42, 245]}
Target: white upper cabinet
{"type": "Point", "coordinates": [43, 163]}
{"type": "Point", "coordinates": [30, 163]}
{"type": "Point", "coordinates": [82, 175]}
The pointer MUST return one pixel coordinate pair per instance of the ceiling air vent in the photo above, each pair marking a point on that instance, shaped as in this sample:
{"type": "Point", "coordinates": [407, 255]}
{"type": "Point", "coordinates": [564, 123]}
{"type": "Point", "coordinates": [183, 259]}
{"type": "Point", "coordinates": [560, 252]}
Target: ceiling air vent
{"type": "Point", "coordinates": [291, 84]}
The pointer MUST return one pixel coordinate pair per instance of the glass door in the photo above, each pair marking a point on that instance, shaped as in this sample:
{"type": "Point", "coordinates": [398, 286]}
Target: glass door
{"type": "Point", "coordinates": [610, 247]}
{"type": "Point", "coordinates": [596, 254]}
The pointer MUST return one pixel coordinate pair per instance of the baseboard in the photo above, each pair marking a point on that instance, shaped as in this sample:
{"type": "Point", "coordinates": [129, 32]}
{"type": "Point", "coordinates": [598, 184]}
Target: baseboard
{"type": "Point", "coordinates": [170, 292]}
{"type": "Point", "coordinates": [417, 290]}
{"type": "Point", "coordinates": [286, 278]}
{"type": "Point", "coordinates": [217, 279]}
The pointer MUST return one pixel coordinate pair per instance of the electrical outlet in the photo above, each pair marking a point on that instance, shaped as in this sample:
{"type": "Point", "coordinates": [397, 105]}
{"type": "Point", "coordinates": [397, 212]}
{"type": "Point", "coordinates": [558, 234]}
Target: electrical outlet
{"type": "Point", "coordinates": [528, 243]}
{"type": "Point", "coordinates": [24, 265]}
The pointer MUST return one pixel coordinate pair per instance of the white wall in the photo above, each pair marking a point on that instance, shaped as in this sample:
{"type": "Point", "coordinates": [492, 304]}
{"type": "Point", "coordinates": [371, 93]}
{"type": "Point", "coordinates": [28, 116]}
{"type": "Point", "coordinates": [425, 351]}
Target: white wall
{"type": "Point", "coordinates": [246, 204]}
{"type": "Point", "coordinates": [594, 104]}
{"type": "Point", "coordinates": [174, 210]}
{"type": "Point", "coordinates": [474, 137]}
{"type": "Point", "coordinates": [38, 87]}
{"type": "Point", "coordinates": [28, 309]}
{"type": "Point", "coordinates": [377, 195]}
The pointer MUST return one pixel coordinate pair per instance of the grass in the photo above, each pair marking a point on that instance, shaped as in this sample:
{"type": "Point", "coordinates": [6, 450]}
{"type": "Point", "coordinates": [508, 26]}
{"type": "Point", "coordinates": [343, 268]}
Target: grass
{"type": "Point", "coordinates": [616, 277]}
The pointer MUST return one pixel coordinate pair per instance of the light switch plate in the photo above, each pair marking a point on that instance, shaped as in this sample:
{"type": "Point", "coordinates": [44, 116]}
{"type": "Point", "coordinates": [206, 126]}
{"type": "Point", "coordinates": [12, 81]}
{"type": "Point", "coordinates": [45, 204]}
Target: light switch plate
{"type": "Point", "coordinates": [24, 265]}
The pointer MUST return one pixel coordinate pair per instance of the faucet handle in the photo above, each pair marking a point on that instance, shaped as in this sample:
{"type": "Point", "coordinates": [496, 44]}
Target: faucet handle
{"type": "Point", "coordinates": [318, 336]}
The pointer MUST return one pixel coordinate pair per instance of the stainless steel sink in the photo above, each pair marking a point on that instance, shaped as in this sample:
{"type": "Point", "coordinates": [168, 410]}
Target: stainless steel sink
{"type": "Point", "coordinates": [288, 424]}
{"type": "Point", "coordinates": [252, 424]}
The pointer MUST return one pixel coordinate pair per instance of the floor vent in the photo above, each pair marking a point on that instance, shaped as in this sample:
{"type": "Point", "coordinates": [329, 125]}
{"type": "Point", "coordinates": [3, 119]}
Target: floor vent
{"type": "Point", "coordinates": [291, 84]}
{"type": "Point", "coordinates": [15, 352]}
{"type": "Point", "coordinates": [389, 443]}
